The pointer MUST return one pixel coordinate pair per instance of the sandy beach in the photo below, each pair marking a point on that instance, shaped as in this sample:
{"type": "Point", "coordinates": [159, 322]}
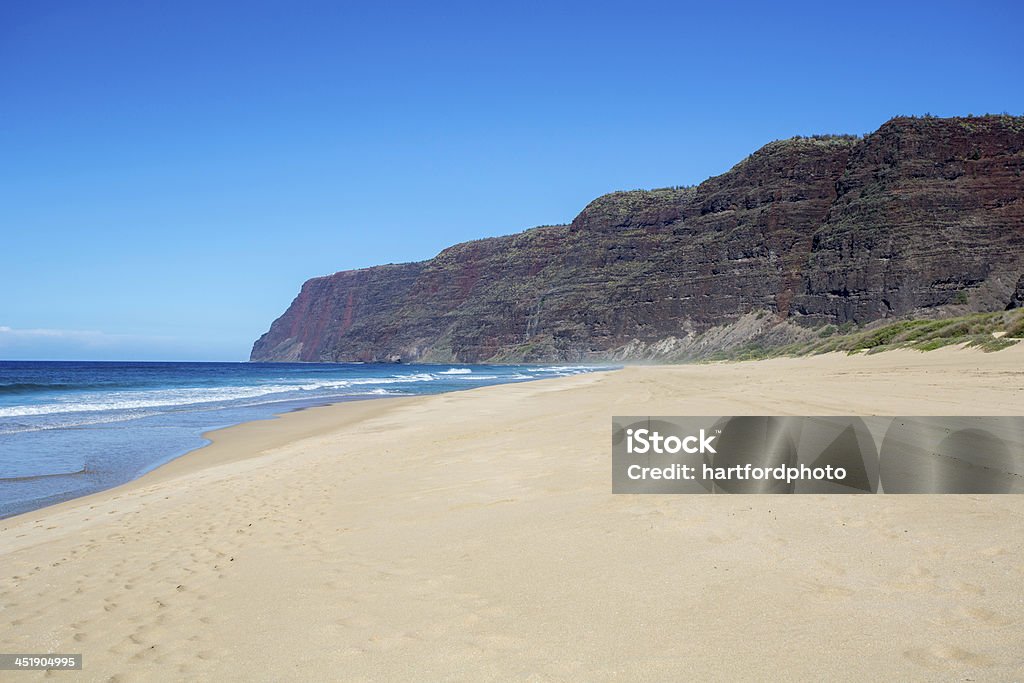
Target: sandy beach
{"type": "Point", "coordinates": [473, 536]}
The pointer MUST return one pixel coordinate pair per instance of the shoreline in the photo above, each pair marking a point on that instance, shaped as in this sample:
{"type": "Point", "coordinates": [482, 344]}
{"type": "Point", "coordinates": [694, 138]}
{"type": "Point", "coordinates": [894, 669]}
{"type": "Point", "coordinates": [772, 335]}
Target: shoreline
{"type": "Point", "coordinates": [246, 435]}
{"type": "Point", "coordinates": [473, 535]}
{"type": "Point", "coordinates": [284, 428]}
{"type": "Point", "coordinates": [108, 475]}
{"type": "Point", "coordinates": [229, 444]}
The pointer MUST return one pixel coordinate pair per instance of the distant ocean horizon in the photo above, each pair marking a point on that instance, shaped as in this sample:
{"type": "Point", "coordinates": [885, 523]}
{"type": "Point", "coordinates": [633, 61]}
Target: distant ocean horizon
{"type": "Point", "coordinates": [70, 428]}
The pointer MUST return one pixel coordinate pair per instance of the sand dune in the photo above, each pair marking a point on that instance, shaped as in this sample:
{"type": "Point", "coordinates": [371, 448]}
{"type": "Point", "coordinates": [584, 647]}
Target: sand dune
{"type": "Point", "coordinates": [473, 536]}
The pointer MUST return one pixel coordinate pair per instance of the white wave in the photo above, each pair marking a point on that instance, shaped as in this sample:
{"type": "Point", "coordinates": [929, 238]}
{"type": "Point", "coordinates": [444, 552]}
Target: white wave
{"type": "Point", "coordinates": [119, 400]}
{"type": "Point", "coordinates": [397, 379]}
{"type": "Point", "coordinates": [169, 398]}
{"type": "Point", "coordinates": [79, 419]}
{"type": "Point", "coordinates": [567, 369]}
{"type": "Point", "coordinates": [143, 403]}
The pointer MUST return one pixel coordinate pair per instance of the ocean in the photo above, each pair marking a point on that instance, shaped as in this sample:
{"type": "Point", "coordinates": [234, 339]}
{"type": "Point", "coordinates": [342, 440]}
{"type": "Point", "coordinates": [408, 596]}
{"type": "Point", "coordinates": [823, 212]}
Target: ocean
{"type": "Point", "coordinates": [68, 429]}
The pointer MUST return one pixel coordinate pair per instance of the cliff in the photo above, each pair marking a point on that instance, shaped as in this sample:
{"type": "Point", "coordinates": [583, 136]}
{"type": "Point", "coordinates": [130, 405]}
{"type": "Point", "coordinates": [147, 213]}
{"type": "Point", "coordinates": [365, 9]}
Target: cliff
{"type": "Point", "coordinates": [922, 218]}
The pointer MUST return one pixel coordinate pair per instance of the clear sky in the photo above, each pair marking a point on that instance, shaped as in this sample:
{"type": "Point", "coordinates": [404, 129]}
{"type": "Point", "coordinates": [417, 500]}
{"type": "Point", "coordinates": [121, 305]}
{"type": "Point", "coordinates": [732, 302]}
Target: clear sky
{"type": "Point", "coordinates": [171, 172]}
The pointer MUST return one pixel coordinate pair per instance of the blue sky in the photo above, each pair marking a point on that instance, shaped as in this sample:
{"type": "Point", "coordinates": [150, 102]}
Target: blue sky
{"type": "Point", "coordinates": [171, 172]}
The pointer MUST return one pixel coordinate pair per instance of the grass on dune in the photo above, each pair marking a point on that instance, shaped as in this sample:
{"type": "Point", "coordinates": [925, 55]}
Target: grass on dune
{"type": "Point", "coordinates": [987, 331]}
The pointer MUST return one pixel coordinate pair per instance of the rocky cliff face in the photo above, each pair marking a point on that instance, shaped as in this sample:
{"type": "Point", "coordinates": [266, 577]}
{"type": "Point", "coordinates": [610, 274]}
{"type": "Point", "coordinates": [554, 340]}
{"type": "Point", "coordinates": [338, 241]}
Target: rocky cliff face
{"type": "Point", "coordinates": [924, 217]}
{"type": "Point", "coordinates": [1017, 300]}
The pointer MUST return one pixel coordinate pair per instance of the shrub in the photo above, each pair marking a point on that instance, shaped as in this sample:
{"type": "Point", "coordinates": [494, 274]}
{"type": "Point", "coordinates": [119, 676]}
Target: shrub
{"type": "Point", "coordinates": [1015, 330]}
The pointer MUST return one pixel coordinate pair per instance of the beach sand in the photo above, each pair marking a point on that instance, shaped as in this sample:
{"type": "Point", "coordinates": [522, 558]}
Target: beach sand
{"type": "Point", "coordinates": [473, 536]}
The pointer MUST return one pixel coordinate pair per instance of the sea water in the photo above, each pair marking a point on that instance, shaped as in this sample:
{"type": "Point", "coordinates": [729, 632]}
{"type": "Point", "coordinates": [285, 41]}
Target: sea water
{"type": "Point", "coordinates": [72, 428]}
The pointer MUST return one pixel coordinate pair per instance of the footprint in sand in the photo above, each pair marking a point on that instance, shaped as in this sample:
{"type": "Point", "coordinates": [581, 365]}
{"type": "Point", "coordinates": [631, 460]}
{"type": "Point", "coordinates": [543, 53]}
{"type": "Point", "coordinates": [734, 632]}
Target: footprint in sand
{"type": "Point", "coordinates": [825, 590]}
{"type": "Point", "coordinates": [971, 588]}
{"type": "Point", "coordinates": [978, 616]}
{"type": "Point", "coordinates": [945, 657]}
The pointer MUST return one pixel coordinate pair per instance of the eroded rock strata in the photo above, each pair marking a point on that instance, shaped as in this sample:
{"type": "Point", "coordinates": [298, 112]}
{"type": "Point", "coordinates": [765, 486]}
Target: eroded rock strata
{"type": "Point", "coordinates": [924, 217]}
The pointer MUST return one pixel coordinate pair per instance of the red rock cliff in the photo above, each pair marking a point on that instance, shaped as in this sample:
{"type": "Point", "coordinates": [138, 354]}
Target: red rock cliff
{"type": "Point", "coordinates": [923, 217]}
